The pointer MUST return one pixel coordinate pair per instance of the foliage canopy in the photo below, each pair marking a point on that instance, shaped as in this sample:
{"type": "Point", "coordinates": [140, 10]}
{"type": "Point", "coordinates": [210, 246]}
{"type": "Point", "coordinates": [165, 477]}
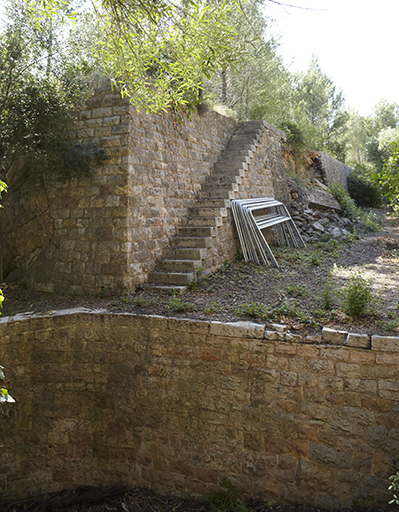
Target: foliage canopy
{"type": "Point", "coordinates": [42, 82]}
{"type": "Point", "coordinates": [160, 53]}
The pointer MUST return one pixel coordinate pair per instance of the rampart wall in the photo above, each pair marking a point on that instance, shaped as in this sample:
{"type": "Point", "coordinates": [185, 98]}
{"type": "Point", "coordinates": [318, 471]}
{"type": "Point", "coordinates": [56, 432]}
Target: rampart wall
{"type": "Point", "coordinates": [177, 404]}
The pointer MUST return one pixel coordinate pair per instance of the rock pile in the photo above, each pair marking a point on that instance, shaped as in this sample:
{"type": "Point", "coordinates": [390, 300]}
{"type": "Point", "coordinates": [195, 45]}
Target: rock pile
{"type": "Point", "coordinates": [312, 224]}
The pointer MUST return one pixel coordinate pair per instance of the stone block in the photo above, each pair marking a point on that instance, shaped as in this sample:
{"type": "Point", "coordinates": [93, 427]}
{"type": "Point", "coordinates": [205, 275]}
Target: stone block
{"type": "Point", "coordinates": [357, 340]}
{"type": "Point", "coordinates": [102, 112]}
{"type": "Point", "coordinates": [86, 114]}
{"type": "Point", "coordinates": [276, 327]}
{"type": "Point", "coordinates": [93, 123]}
{"type": "Point", "coordinates": [110, 141]}
{"type": "Point", "coordinates": [294, 338]}
{"type": "Point", "coordinates": [274, 336]}
{"type": "Point", "coordinates": [385, 343]}
{"type": "Point", "coordinates": [85, 133]}
{"type": "Point", "coordinates": [333, 337]}
{"type": "Point", "coordinates": [111, 120]}
{"type": "Point", "coordinates": [237, 329]}
{"type": "Point", "coordinates": [315, 338]}
{"type": "Point", "coordinates": [318, 199]}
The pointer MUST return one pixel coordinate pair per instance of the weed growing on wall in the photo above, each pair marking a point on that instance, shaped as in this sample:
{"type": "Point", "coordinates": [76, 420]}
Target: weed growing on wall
{"type": "Point", "coordinates": [348, 205]}
{"type": "Point", "coordinates": [394, 487]}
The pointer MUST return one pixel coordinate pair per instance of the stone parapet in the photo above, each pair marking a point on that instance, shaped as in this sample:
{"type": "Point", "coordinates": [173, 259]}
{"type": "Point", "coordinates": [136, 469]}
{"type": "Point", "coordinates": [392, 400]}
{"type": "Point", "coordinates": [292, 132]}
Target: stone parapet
{"type": "Point", "coordinates": [176, 404]}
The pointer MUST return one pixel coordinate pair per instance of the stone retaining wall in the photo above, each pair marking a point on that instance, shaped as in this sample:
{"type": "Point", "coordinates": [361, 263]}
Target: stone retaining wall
{"type": "Point", "coordinates": [265, 177]}
{"type": "Point", "coordinates": [330, 170]}
{"type": "Point", "coordinates": [106, 231]}
{"type": "Point", "coordinates": [176, 404]}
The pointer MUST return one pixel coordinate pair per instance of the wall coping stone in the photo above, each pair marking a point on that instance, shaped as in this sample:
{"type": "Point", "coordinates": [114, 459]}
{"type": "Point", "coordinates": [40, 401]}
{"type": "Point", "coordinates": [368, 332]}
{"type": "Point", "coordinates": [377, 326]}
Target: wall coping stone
{"type": "Point", "coordinates": [357, 340]}
{"type": "Point", "coordinates": [333, 336]}
{"type": "Point", "coordinates": [386, 343]}
{"type": "Point", "coordinates": [240, 329]}
{"type": "Point", "coordinates": [277, 327]}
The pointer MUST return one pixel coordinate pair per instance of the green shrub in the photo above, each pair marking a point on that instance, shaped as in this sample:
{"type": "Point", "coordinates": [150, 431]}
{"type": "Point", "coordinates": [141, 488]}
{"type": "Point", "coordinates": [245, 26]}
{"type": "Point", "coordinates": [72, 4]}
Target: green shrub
{"type": "Point", "coordinates": [328, 295]}
{"type": "Point", "coordinates": [226, 499]}
{"type": "Point", "coordinates": [348, 205]}
{"type": "Point", "coordinates": [177, 304]}
{"type": "Point", "coordinates": [358, 296]}
{"type": "Point", "coordinates": [255, 309]}
{"type": "Point", "coordinates": [364, 193]}
{"type": "Point", "coordinates": [365, 220]}
{"type": "Point", "coordinates": [297, 290]}
{"type": "Point", "coordinates": [295, 136]}
{"type": "Point", "coordinates": [394, 487]}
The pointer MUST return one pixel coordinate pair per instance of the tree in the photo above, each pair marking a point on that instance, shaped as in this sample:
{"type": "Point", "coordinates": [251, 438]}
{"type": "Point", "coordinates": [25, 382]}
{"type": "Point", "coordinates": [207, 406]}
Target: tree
{"type": "Point", "coordinates": [160, 53]}
{"type": "Point", "coordinates": [4, 396]}
{"type": "Point", "coordinates": [388, 178]}
{"type": "Point", "coordinates": [318, 108]}
{"type": "Point", "coordinates": [41, 85]}
{"type": "Point", "coordinates": [385, 115]}
{"type": "Point", "coordinates": [259, 86]}
{"type": "Point", "coordinates": [382, 132]}
{"type": "Point", "coordinates": [358, 137]}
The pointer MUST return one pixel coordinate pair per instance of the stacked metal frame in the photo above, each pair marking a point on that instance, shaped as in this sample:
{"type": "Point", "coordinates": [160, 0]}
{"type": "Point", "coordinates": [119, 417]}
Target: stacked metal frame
{"type": "Point", "coordinates": [251, 216]}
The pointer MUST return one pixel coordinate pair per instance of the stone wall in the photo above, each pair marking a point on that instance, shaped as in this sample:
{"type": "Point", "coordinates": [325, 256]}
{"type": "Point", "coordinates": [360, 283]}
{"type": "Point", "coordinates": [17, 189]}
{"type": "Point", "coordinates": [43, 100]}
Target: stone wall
{"type": "Point", "coordinates": [259, 179]}
{"type": "Point", "coordinates": [176, 405]}
{"type": "Point", "coordinates": [265, 177]}
{"type": "Point", "coordinates": [330, 170]}
{"type": "Point", "coordinates": [107, 230]}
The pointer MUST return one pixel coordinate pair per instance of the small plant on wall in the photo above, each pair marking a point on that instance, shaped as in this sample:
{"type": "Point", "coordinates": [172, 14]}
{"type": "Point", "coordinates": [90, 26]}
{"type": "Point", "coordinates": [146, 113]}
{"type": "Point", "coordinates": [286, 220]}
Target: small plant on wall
{"type": "Point", "coordinates": [226, 499]}
{"type": "Point", "coordinates": [394, 488]}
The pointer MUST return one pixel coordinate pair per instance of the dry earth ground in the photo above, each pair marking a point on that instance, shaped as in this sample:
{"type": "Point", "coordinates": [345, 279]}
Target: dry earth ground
{"type": "Point", "coordinates": [293, 294]}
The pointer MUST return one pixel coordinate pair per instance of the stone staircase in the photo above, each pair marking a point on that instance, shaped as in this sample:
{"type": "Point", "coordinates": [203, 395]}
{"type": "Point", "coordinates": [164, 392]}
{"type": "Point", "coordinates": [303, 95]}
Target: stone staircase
{"type": "Point", "coordinates": [188, 251]}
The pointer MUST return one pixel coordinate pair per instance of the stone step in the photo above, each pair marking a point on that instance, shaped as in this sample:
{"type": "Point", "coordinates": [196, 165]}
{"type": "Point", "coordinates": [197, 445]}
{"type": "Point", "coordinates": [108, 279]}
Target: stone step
{"type": "Point", "coordinates": [227, 171]}
{"type": "Point", "coordinates": [250, 125]}
{"type": "Point", "coordinates": [228, 185]}
{"type": "Point", "coordinates": [189, 247]}
{"type": "Point", "coordinates": [223, 167]}
{"type": "Point", "coordinates": [235, 160]}
{"type": "Point", "coordinates": [233, 152]}
{"type": "Point", "coordinates": [223, 181]}
{"type": "Point", "coordinates": [195, 231]}
{"type": "Point", "coordinates": [202, 221]}
{"type": "Point", "coordinates": [185, 253]}
{"type": "Point", "coordinates": [165, 287]}
{"type": "Point", "coordinates": [241, 145]}
{"type": "Point", "coordinates": [170, 278]}
{"type": "Point", "coordinates": [217, 194]}
{"type": "Point", "coordinates": [213, 203]}
{"type": "Point", "coordinates": [197, 242]}
{"type": "Point", "coordinates": [178, 265]}
{"type": "Point", "coordinates": [244, 139]}
{"type": "Point", "coordinates": [201, 211]}
{"type": "Point", "coordinates": [250, 132]}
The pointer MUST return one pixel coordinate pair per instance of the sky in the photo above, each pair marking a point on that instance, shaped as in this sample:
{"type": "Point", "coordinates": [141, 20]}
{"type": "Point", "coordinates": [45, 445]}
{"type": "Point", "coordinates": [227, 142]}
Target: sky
{"type": "Point", "coordinates": [356, 42]}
